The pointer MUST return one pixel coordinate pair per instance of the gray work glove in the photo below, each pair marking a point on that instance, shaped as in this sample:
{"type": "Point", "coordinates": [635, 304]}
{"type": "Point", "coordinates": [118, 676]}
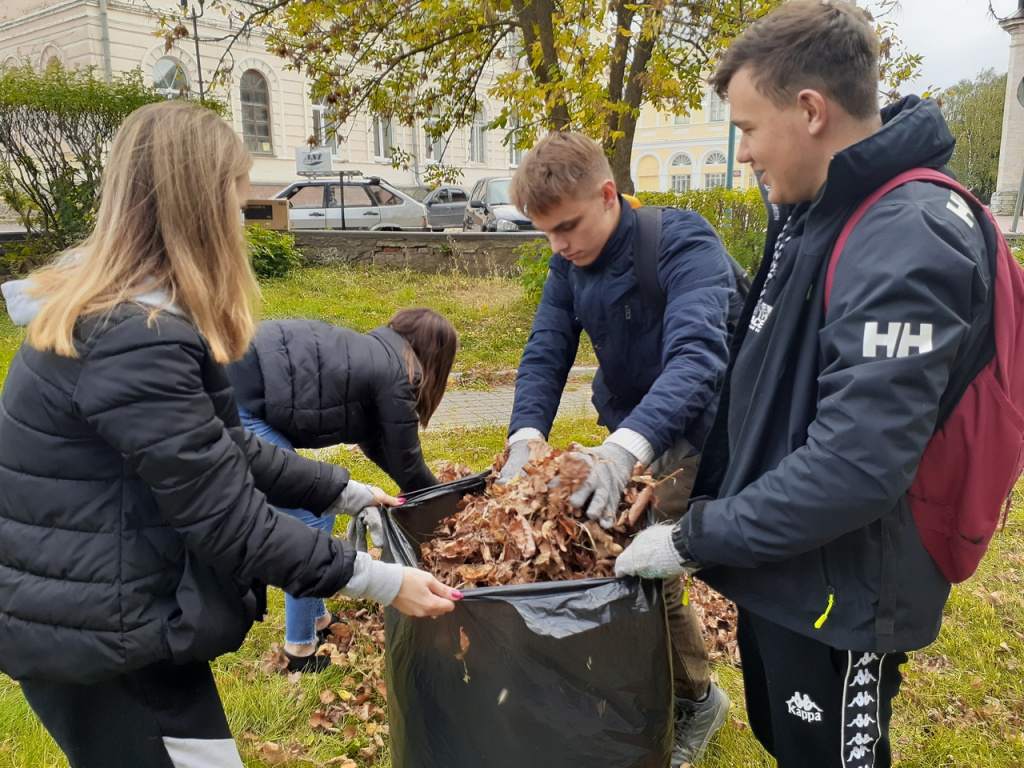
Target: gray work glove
{"type": "Point", "coordinates": [367, 519]}
{"type": "Point", "coordinates": [611, 467]}
{"type": "Point", "coordinates": [653, 555]}
{"type": "Point", "coordinates": [518, 455]}
{"type": "Point", "coordinates": [352, 499]}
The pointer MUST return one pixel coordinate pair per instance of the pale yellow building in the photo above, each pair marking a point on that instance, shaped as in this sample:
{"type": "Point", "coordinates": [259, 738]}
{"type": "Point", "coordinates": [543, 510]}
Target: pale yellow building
{"type": "Point", "coordinates": [269, 105]}
{"type": "Point", "coordinates": [684, 152]}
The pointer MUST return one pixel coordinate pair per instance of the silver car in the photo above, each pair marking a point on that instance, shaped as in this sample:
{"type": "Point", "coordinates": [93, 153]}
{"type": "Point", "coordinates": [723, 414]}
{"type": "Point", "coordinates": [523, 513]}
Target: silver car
{"type": "Point", "coordinates": [369, 203]}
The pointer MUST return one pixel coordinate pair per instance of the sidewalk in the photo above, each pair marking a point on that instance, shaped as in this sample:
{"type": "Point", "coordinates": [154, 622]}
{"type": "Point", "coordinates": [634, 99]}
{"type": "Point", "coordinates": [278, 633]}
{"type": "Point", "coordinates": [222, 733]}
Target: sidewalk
{"type": "Point", "coordinates": [479, 408]}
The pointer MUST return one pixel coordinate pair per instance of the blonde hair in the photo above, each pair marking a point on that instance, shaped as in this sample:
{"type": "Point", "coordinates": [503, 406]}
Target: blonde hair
{"type": "Point", "coordinates": [432, 345]}
{"type": "Point", "coordinates": [559, 167]}
{"type": "Point", "coordinates": [166, 222]}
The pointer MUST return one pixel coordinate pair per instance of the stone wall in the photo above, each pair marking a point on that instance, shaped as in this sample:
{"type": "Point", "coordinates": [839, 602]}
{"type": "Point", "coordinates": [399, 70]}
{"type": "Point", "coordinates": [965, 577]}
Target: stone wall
{"type": "Point", "coordinates": [472, 253]}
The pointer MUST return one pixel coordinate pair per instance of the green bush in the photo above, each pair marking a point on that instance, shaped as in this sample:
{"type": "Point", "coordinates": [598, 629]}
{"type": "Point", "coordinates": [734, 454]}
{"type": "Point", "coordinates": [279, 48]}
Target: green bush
{"type": "Point", "coordinates": [739, 216]}
{"type": "Point", "coordinates": [533, 267]}
{"type": "Point", "coordinates": [273, 254]}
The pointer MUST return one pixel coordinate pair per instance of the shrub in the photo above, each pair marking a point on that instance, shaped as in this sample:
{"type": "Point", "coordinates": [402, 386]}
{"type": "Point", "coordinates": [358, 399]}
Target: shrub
{"type": "Point", "coordinates": [533, 267]}
{"type": "Point", "coordinates": [273, 254]}
{"type": "Point", "coordinates": [739, 216]}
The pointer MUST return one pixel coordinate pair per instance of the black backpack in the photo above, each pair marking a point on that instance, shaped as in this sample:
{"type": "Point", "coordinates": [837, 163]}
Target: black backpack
{"type": "Point", "coordinates": [646, 242]}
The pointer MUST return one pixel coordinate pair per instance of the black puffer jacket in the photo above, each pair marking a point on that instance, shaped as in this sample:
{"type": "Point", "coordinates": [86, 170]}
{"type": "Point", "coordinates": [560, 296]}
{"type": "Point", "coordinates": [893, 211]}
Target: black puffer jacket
{"type": "Point", "coordinates": [320, 384]}
{"type": "Point", "coordinates": [133, 528]}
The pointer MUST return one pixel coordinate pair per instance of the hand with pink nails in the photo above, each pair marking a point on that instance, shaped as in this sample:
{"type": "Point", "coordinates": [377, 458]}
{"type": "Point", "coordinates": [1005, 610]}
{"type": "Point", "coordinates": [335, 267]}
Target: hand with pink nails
{"type": "Point", "coordinates": [423, 595]}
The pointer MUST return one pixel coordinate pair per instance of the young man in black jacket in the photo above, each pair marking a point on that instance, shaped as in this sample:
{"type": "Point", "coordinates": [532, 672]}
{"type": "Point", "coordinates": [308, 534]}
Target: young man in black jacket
{"type": "Point", "coordinates": [826, 411]}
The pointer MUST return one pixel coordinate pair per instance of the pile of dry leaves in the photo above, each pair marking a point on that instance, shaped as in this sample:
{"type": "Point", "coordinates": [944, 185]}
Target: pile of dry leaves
{"type": "Point", "coordinates": [528, 531]}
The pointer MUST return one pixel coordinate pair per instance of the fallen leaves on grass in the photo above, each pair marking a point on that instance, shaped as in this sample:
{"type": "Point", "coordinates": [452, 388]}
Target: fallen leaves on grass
{"type": "Point", "coordinates": [445, 471]}
{"type": "Point", "coordinates": [527, 531]}
{"type": "Point", "coordinates": [718, 617]}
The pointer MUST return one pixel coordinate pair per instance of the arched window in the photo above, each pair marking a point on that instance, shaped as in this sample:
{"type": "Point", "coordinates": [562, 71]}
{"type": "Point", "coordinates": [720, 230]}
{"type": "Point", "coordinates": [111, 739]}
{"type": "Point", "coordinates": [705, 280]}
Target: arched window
{"type": "Point", "coordinates": [716, 158]}
{"type": "Point", "coordinates": [254, 95]}
{"type": "Point", "coordinates": [169, 78]}
{"type": "Point", "coordinates": [680, 173]}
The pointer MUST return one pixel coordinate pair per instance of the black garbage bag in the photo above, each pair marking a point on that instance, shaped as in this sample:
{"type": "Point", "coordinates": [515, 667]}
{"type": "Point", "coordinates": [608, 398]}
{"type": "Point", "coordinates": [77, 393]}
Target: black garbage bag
{"type": "Point", "coordinates": [548, 675]}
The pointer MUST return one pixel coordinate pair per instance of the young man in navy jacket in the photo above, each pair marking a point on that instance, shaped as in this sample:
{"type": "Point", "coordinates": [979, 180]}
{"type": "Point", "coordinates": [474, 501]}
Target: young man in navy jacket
{"type": "Point", "coordinates": [826, 411]}
{"type": "Point", "coordinates": [659, 370]}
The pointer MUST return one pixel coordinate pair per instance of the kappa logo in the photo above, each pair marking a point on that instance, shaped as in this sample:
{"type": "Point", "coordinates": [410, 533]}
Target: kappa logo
{"type": "Point", "coordinates": [862, 699]}
{"type": "Point", "coordinates": [864, 677]}
{"type": "Point", "coordinates": [861, 721]}
{"type": "Point", "coordinates": [866, 659]}
{"type": "Point", "coordinates": [859, 752]}
{"type": "Point", "coordinates": [860, 740]}
{"type": "Point", "coordinates": [897, 340]}
{"type": "Point", "coordinates": [803, 707]}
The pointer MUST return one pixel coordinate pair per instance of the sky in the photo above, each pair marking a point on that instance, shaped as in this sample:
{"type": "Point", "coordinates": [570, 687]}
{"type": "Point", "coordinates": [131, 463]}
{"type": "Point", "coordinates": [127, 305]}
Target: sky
{"type": "Point", "coordinates": [958, 39]}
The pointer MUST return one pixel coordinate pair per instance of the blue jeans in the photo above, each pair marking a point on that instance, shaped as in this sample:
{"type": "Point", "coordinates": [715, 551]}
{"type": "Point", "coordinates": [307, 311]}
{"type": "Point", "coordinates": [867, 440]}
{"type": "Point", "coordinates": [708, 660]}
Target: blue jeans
{"type": "Point", "coordinates": [300, 613]}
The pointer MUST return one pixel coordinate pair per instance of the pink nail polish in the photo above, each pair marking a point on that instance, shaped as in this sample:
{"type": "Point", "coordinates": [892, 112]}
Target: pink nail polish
{"type": "Point", "coordinates": [401, 500]}
{"type": "Point", "coordinates": [456, 594]}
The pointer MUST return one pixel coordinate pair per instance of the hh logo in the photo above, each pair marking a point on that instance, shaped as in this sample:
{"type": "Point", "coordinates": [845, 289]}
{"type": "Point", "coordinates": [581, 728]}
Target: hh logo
{"type": "Point", "coordinates": [802, 706]}
{"type": "Point", "coordinates": [897, 340]}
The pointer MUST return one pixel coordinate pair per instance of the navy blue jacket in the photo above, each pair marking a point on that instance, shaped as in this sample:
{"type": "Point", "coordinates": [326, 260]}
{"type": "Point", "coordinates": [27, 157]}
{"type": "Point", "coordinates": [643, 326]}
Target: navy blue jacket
{"type": "Point", "coordinates": [658, 374]}
{"type": "Point", "coordinates": [821, 450]}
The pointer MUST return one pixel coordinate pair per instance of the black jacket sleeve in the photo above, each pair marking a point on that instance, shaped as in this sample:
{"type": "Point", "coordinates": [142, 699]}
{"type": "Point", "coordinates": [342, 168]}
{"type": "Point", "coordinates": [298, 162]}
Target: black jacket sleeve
{"type": "Point", "coordinates": [290, 480]}
{"type": "Point", "coordinates": [395, 447]}
{"type": "Point", "coordinates": [142, 390]}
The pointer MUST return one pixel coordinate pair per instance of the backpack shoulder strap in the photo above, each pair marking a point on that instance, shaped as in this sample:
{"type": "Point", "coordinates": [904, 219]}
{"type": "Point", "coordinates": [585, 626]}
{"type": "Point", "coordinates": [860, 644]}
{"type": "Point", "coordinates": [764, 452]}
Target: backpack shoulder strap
{"type": "Point", "coordinates": [914, 174]}
{"type": "Point", "coordinates": [646, 244]}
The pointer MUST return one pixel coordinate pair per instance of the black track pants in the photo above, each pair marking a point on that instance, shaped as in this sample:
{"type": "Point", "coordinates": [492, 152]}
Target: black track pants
{"type": "Point", "coordinates": [161, 716]}
{"type": "Point", "coordinates": [812, 706]}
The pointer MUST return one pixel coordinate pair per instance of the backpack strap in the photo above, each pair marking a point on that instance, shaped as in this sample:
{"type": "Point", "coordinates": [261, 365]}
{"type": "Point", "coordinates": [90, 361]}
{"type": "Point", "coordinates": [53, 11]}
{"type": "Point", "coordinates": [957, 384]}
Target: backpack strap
{"type": "Point", "coordinates": [914, 174]}
{"type": "Point", "coordinates": [646, 244]}
{"type": "Point", "coordinates": [972, 365]}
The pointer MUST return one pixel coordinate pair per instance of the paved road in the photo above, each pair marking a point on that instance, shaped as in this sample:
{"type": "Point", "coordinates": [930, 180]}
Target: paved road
{"type": "Point", "coordinates": [477, 408]}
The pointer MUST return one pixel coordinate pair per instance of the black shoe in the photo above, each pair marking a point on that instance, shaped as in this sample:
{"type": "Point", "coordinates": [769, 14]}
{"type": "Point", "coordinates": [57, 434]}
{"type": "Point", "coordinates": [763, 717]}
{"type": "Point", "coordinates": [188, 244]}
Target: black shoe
{"type": "Point", "coordinates": [325, 633]}
{"type": "Point", "coordinates": [311, 663]}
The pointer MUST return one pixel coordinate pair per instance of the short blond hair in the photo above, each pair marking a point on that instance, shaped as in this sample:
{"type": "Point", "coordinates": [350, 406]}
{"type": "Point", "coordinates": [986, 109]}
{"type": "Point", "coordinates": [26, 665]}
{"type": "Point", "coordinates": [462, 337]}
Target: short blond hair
{"type": "Point", "coordinates": [559, 167]}
{"type": "Point", "coordinates": [166, 222]}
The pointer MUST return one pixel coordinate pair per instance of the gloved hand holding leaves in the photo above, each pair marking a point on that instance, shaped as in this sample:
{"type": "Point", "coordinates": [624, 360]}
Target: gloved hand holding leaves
{"type": "Point", "coordinates": [611, 469]}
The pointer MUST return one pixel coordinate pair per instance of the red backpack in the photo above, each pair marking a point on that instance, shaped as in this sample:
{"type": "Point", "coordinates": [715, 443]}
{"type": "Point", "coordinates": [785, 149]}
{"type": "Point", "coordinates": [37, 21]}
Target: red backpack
{"type": "Point", "coordinates": [976, 454]}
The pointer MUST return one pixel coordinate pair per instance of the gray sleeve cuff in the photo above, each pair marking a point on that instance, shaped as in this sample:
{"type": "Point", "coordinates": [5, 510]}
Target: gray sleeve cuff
{"type": "Point", "coordinates": [526, 433]}
{"type": "Point", "coordinates": [374, 580]}
{"type": "Point", "coordinates": [633, 442]}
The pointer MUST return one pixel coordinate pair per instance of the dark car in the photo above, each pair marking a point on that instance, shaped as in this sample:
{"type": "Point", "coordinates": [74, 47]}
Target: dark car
{"type": "Point", "coordinates": [445, 204]}
{"type": "Point", "coordinates": [489, 209]}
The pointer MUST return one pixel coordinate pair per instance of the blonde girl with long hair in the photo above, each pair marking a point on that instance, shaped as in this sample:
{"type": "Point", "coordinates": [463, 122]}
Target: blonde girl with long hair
{"type": "Point", "coordinates": [137, 535]}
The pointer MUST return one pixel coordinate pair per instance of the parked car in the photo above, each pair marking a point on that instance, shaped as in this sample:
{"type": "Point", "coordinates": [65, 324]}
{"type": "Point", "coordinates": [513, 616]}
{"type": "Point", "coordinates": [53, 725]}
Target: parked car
{"type": "Point", "coordinates": [370, 203]}
{"type": "Point", "coordinates": [489, 209]}
{"type": "Point", "coordinates": [445, 205]}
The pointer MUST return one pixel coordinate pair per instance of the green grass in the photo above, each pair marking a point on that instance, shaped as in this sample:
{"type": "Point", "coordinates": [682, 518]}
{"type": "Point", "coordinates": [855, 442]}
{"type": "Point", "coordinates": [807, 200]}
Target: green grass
{"type": "Point", "coordinates": [962, 704]}
{"type": "Point", "coordinates": [491, 315]}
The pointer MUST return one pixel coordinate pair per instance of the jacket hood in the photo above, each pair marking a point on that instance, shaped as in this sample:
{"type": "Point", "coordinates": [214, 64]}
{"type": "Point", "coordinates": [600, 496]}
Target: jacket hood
{"type": "Point", "coordinates": [23, 307]}
{"type": "Point", "coordinates": [913, 134]}
{"type": "Point", "coordinates": [20, 305]}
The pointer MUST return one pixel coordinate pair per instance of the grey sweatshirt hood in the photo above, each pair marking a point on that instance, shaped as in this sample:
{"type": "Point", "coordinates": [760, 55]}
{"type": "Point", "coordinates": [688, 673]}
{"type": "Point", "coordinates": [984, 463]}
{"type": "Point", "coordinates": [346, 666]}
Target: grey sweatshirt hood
{"type": "Point", "coordinates": [20, 306]}
{"type": "Point", "coordinates": [23, 307]}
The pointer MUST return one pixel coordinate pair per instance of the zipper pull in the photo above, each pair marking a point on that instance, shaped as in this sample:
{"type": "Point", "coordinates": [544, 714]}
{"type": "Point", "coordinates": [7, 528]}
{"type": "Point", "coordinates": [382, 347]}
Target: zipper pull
{"type": "Point", "coordinates": [628, 314]}
{"type": "Point", "coordinates": [828, 609]}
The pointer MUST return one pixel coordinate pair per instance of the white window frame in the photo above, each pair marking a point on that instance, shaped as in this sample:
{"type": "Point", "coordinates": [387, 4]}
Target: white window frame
{"type": "Point", "coordinates": [477, 149]}
{"type": "Point", "coordinates": [321, 123]}
{"type": "Point", "coordinates": [383, 138]}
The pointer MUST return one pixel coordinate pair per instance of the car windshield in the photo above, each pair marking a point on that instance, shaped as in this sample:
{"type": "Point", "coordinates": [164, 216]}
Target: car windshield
{"type": "Point", "coordinates": [497, 192]}
{"type": "Point", "coordinates": [416, 193]}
